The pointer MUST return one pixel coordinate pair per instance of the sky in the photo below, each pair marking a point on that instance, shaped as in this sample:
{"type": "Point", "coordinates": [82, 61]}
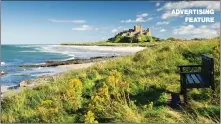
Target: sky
{"type": "Point", "coordinates": [54, 22]}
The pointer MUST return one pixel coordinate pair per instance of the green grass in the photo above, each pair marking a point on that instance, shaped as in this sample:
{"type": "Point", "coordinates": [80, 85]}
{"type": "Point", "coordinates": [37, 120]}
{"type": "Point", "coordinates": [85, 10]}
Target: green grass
{"type": "Point", "coordinates": [128, 89]}
{"type": "Point", "coordinates": [137, 38]}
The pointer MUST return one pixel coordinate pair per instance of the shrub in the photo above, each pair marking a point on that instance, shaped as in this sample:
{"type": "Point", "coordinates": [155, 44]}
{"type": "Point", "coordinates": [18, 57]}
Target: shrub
{"type": "Point", "coordinates": [171, 39]}
{"type": "Point", "coordinates": [156, 39]}
{"type": "Point", "coordinates": [89, 118]}
{"type": "Point", "coordinates": [126, 39]}
{"type": "Point", "coordinates": [149, 39]}
{"type": "Point", "coordinates": [50, 111]}
{"type": "Point", "coordinates": [73, 92]}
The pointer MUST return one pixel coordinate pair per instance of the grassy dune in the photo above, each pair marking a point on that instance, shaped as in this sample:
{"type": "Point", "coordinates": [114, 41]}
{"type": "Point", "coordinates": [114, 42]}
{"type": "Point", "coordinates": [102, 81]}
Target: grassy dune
{"type": "Point", "coordinates": [128, 89]}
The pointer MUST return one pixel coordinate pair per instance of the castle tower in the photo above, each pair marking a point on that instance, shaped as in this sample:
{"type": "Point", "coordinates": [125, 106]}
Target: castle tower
{"type": "Point", "coordinates": [135, 28]}
{"type": "Point", "coordinates": [148, 33]}
{"type": "Point", "coordinates": [138, 28]}
{"type": "Point", "coordinates": [141, 30]}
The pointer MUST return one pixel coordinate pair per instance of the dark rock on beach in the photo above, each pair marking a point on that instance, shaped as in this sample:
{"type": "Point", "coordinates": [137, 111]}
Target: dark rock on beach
{"type": "Point", "coordinates": [67, 62]}
{"type": "Point", "coordinates": [3, 73]}
{"type": "Point", "coordinates": [29, 84]}
{"type": "Point", "coordinates": [40, 79]}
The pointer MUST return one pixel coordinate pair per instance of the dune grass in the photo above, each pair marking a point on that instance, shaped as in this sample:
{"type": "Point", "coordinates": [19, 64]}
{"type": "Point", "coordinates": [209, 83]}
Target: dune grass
{"type": "Point", "coordinates": [128, 89]}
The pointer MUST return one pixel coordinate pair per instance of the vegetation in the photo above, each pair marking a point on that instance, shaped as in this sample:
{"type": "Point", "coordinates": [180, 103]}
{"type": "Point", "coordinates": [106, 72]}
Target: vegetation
{"type": "Point", "coordinates": [137, 38]}
{"type": "Point", "coordinates": [171, 38]}
{"type": "Point", "coordinates": [129, 89]}
{"type": "Point", "coordinates": [156, 39]}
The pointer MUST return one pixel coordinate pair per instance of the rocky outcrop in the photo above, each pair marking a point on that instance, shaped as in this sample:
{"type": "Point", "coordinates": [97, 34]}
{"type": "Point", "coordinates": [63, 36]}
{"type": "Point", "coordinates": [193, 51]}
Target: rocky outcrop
{"type": "Point", "coordinates": [28, 84]}
{"type": "Point", "coordinates": [3, 73]}
{"type": "Point", "coordinates": [67, 62]}
{"type": "Point", "coordinates": [34, 82]}
{"type": "Point", "coordinates": [24, 83]}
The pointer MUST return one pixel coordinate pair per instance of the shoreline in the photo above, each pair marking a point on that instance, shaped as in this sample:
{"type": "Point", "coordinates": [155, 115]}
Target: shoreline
{"type": "Point", "coordinates": [68, 64]}
{"type": "Point", "coordinates": [32, 83]}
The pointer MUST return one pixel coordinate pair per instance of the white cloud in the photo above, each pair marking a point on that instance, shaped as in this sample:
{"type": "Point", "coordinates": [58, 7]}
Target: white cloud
{"type": "Point", "coordinates": [163, 30]}
{"type": "Point", "coordinates": [139, 19]}
{"type": "Point", "coordinates": [142, 15]}
{"type": "Point", "coordinates": [163, 23]}
{"type": "Point", "coordinates": [215, 25]}
{"type": "Point", "coordinates": [114, 30]}
{"type": "Point", "coordinates": [67, 21]}
{"type": "Point", "coordinates": [192, 4]}
{"type": "Point", "coordinates": [149, 19]}
{"type": "Point", "coordinates": [153, 27]}
{"type": "Point", "coordinates": [169, 14]}
{"type": "Point", "coordinates": [203, 31]}
{"type": "Point", "coordinates": [118, 29]}
{"type": "Point", "coordinates": [85, 28]}
{"type": "Point", "coordinates": [157, 4]}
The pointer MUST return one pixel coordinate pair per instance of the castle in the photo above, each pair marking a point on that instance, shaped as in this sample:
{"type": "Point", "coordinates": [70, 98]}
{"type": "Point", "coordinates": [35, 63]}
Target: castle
{"type": "Point", "coordinates": [137, 30]}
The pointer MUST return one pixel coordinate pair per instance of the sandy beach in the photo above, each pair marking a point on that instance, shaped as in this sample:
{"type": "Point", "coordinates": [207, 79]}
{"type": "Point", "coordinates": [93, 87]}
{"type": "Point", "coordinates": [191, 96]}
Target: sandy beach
{"type": "Point", "coordinates": [76, 66]}
{"type": "Point", "coordinates": [6, 90]}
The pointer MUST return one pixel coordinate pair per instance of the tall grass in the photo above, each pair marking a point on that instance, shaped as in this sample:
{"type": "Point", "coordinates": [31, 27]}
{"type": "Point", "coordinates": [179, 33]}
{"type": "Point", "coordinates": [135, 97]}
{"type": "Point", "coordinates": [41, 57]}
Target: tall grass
{"type": "Point", "coordinates": [129, 89]}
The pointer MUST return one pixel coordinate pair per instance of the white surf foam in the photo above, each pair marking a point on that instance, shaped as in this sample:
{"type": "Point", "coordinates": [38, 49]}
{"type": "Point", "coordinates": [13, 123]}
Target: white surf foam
{"type": "Point", "coordinates": [27, 46]}
{"type": "Point", "coordinates": [3, 63]}
{"type": "Point", "coordinates": [28, 51]}
{"type": "Point", "coordinates": [55, 49]}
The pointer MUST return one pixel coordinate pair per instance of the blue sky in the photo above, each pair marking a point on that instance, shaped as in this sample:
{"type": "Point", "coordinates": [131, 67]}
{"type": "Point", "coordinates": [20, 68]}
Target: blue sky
{"type": "Point", "coordinates": [53, 22]}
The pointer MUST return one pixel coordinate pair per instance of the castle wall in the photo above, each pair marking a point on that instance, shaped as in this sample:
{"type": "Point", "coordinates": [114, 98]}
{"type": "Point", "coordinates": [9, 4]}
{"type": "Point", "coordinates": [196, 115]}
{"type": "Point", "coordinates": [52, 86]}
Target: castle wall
{"type": "Point", "coordinates": [136, 30]}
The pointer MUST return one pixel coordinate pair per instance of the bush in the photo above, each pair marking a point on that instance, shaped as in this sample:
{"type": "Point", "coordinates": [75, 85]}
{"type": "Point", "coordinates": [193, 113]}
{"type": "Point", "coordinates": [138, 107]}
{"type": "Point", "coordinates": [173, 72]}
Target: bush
{"type": "Point", "coordinates": [89, 117]}
{"type": "Point", "coordinates": [49, 111]}
{"type": "Point", "coordinates": [156, 39]}
{"type": "Point", "coordinates": [73, 92]}
{"type": "Point", "coordinates": [149, 39]}
{"type": "Point", "coordinates": [171, 38]}
{"type": "Point", "coordinates": [126, 39]}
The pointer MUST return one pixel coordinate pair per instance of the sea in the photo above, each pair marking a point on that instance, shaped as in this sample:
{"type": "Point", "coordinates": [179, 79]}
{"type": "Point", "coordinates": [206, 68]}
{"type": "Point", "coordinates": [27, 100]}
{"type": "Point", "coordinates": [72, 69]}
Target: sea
{"type": "Point", "coordinates": [14, 55]}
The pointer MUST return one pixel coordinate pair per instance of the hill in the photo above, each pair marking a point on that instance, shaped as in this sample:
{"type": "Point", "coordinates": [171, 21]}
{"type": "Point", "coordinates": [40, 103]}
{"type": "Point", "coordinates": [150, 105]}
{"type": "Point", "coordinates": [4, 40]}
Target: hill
{"type": "Point", "coordinates": [136, 35]}
{"type": "Point", "coordinates": [128, 89]}
{"type": "Point", "coordinates": [136, 38]}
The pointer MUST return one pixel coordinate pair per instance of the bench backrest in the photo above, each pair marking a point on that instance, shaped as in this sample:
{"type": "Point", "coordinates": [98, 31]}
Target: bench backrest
{"type": "Point", "coordinates": [207, 70]}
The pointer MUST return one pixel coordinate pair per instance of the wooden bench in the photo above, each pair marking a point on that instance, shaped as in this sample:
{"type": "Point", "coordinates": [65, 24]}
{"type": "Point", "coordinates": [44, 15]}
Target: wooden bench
{"type": "Point", "coordinates": [201, 79]}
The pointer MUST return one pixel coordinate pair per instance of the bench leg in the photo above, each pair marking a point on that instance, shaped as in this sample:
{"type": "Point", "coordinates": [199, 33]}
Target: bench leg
{"type": "Point", "coordinates": [181, 90]}
{"type": "Point", "coordinates": [213, 87]}
{"type": "Point", "coordinates": [185, 95]}
{"type": "Point", "coordinates": [181, 84]}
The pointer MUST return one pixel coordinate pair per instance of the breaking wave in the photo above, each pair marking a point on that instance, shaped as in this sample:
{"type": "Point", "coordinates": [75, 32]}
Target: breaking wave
{"type": "Point", "coordinates": [2, 63]}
